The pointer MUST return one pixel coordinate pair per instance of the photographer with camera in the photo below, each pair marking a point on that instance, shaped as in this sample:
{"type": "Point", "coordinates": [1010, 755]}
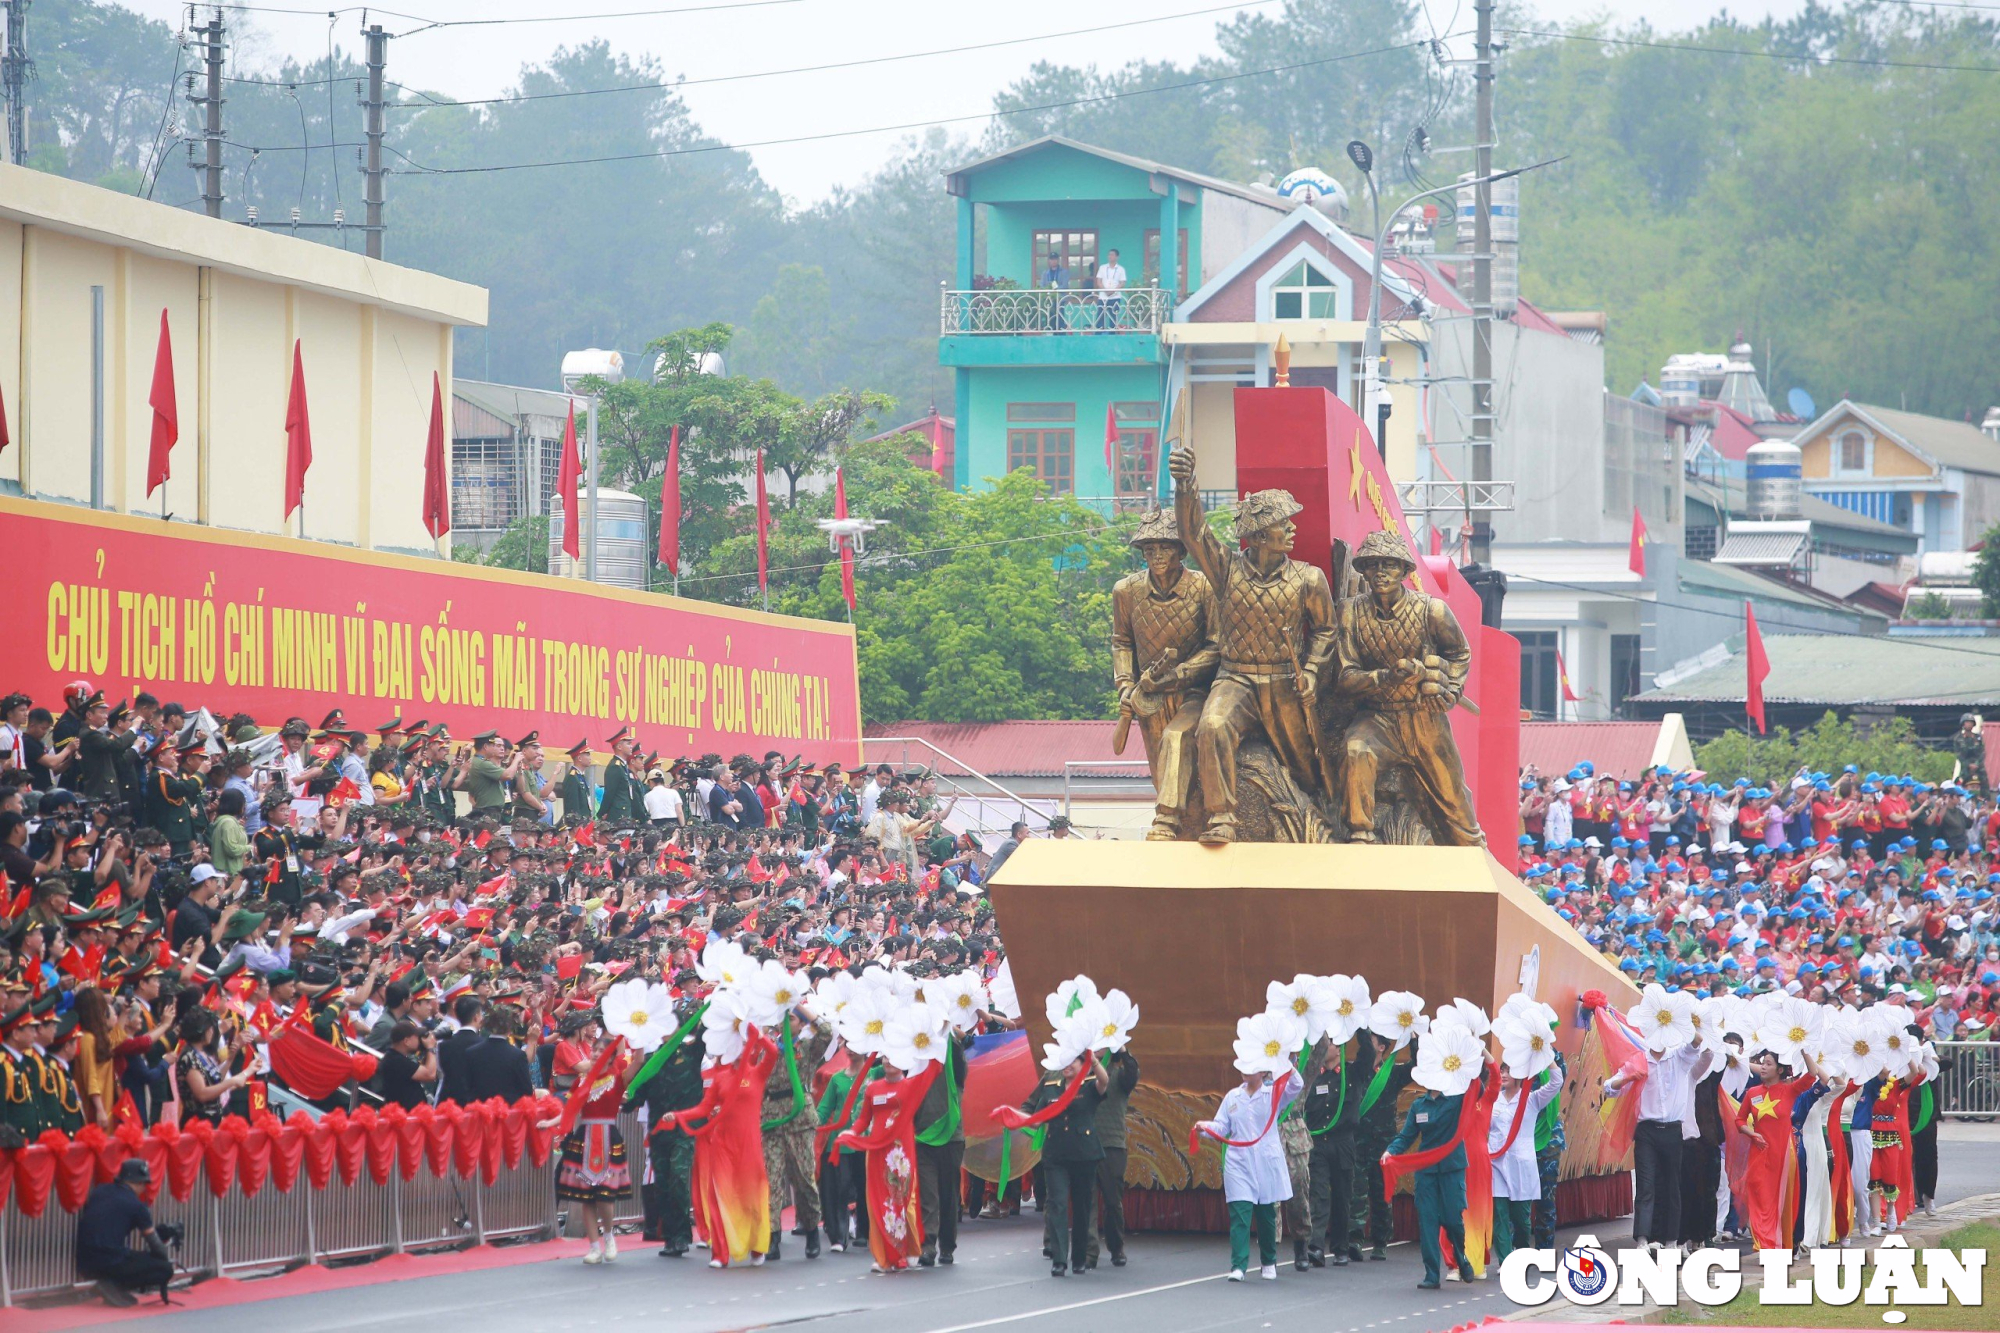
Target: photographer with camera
{"type": "Point", "coordinates": [410, 1061]}
{"type": "Point", "coordinates": [109, 1216]}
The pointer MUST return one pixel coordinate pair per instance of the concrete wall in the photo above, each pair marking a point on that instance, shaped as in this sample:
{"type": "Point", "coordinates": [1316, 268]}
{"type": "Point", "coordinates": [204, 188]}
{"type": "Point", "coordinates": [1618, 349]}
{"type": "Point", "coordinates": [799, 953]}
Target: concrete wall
{"type": "Point", "coordinates": [1232, 224]}
{"type": "Point", "coordinates": [1549, 429]}
{"type": "Point", "coordinates": [372, 337]}
{"type": "Point", "coordinates": [1091, 388]}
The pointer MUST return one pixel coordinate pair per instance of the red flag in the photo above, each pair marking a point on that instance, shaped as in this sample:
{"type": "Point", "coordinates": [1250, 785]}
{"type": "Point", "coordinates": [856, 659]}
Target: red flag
{"type": "Point", "coordinates": [437, 489]}
{"type": "Point", "coordinates": [298, 434]}
{"type": "Point", "coordinates": [1562, 675]}
{"type": "Point", "coordinates": [846, 543]}
{"type": "Point", "coordinates": [1758, 667]}
{"type": "Point", "coordinates": [567, 474]}
{"type": "Point", "coordinates": [763, 529]}
{"type": "Point", "coordinates": [1111, 445]}
{"type": "Point", "coordinates": [166, 416]}
{"type": "Point", "coordinates": [1636, 561]}
{"type": "Point", "coordinates": [670, 507]}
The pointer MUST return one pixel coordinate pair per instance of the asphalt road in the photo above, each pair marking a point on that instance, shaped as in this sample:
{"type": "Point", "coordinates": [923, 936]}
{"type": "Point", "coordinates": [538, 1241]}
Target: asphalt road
{"type": "Point", "coordinates": [1172, 1285]}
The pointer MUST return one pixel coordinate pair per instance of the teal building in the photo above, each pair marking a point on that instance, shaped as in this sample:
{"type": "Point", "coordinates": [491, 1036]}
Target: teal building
{"type": "Point", "coordinates": [1052, 373]}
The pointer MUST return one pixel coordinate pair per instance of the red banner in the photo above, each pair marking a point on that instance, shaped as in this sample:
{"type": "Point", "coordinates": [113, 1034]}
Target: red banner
{"type": "Point", "coordinates": [275, 627]}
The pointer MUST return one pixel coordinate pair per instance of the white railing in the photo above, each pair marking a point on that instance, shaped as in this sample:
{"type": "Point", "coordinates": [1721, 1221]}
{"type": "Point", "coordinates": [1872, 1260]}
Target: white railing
{"type": "Point", "coordinates": [978, 811]}
{"type": "Point", "coordinates": [1014, 310]}
{"type": "Point", "coordinates": [1968, 1082]}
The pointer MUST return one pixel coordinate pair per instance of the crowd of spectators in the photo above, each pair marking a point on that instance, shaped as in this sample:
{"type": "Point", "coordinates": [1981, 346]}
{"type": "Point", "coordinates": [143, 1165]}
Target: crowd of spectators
{"type": "Point", "coordinates": [177, 887]}
{"type": "Point", "coordinates": [1840, 887]}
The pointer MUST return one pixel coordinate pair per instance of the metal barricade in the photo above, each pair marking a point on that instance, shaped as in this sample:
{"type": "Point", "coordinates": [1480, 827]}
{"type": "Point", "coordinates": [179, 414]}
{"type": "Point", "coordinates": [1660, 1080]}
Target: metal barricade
{"type": "Point", "coordinates": [1968, 1083]}
{"type": "Point", "coordinates": [277, 1230]}
{"type": "Point", "coordinates": [634, 1134]}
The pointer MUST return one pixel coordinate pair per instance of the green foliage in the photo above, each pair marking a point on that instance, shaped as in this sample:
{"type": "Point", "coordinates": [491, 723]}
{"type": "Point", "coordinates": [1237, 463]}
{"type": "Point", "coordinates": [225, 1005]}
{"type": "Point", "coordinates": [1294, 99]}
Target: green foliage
{"type": "Point", "coordinates": [1930, 606]}
{"type": "Point", "coordinates": [1986, 573]}
{"type": "Point", "coordinates": [1827, 746]}
{"type": "Point", "coordinates": [524, 544]}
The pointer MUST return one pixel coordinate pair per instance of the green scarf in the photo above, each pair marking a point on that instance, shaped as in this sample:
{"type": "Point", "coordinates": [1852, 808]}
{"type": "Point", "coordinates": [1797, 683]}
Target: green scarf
{"type": "Point", "coordinates": [1377, 1084]}
{"type": "Point", "coordinates": [947, 1125]}
{"type": "Point", "coordinates": [1926, 1106]}
{"type": "Point", "coordinates": [798, 1083]}
{"type": "Point", "coordinates": [668, 1047]}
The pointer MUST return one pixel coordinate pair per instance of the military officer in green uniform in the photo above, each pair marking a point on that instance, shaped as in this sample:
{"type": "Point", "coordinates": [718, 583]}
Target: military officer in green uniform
{"type": "Point", "coordinates": [624, 798]}
{"type": "Point", "coordinates": [61, 1107]}
{"type": "Point", "coordinates": [17, 1072]}
{"type": "Point", "coordinates": [107, 735]}
{"type": "Point", "coordinates": [1970, 747]}
{"type": "Point", "coordinates": [675, 1086]}
{"type": "Point", "coordinates": [173, 802]}
{"type": "Point", "coordinates": [1440, 1187]}
{"type": "Point", "coordinates": [575, 790]}
{"type": "Point", "coordinates": [436, 774]}
{"type": "Point", "coordinates": [1374, 1125]}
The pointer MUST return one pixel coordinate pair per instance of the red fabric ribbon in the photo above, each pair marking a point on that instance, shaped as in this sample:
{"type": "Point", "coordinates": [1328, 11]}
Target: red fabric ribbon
{"type": "Point", "coordinates": [219, 1157]}
{"type": "Point", "coordinates": [1013, 1117]}
{"type": "Point", "coordinates": [34, 1176]}
{"type": "Point", "coordinates": [1402, 1164]}
{"type": "Point", "coordinates": [822, 1147]}
{"type": "Point", "coordinates": [1196, 1133]}
{"type": "Point", "coordinates": [1842, 1174]}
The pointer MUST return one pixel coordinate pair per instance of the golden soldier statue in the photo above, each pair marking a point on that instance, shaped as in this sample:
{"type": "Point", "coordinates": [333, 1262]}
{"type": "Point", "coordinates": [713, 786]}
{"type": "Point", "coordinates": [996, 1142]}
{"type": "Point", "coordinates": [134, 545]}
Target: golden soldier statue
{"type": "Point", "coordinates": [1162, 655]}
{"type": "Point", "coordinates": [1274, 627]}
{"type": "Point", "coordinates": [1403, 662]}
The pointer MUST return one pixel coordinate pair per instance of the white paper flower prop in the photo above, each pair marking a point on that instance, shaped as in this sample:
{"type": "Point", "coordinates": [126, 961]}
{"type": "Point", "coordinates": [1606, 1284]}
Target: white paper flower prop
{"type": "Point", "coordinates": [770, 992]}
{"type": "Point", "coordinates": [833, 994]}
{"type": "Point", "coordinates": [1898, 1047]}
{"type": "Point", "coordinates": [1399, 1016]}
{"type": "Point", "coordinates": [914, 1037]}
{"type": "Point", "coordinates": [1664, 1018]}
{"type": "Point", "coordinates": [640, 1012]}
{"type": "Point", "coordinates": [1006, 1000]}
{"type": "Point", "coordinates": [1307, 998]}
{"type": "Point", "coordinates": [1448, 1059]}
{"type": "Point", "coordinates": [961, 997]}
{"type": "Point", "coordinates": [723, 963]}
{"type": "Point", "coordinates": [1115, 1016]}
{"type": "Point", "coordinates": [1524, 1009]}
{"type": "Point", "coordinates": [1351, 1004]}
{"type": "Point", "coordinates": [1926, 1062]}
{"type": "Point", "coordinates": [725, 1026]}
{"type": "Point", "coordinates": [1793, 1025]}
{"type": "Point", "coordinates": [1069, 997]}
{"type": "Point", "coordinates": [1526, 1046]}
{"type": "Point", "coordinates": [1463, 1013]}
{"type": "Point", "coordinates": [1853, 1041]}
{"type": "Point", "coordinates": [1262, 1044]}
{"type": "Point", "coordinates": [1072, 1040]}
{"type": "Point", "coordinates": [864, 1019]}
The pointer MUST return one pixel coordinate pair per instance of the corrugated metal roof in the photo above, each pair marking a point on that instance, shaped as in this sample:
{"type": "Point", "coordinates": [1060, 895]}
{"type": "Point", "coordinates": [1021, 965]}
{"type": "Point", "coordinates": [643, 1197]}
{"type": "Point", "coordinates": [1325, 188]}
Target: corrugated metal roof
{"type": "Point", "coordinates": [1024, 749]}
{"type": "Point", "coordinates": [511, 401]}
{"type": "Point", "coordinates": [1957, 444]}
{"type": "Point", "coordinates": [1760, 548]}
{"type": "Point", "coordinates": [1820, 513]}
{"type": "Point", "coordinates": [1705, 578]}
{"type": "Point", "coordinates": [1847, 669]}
{"type": "Point", "coordinates": [1618, 748]}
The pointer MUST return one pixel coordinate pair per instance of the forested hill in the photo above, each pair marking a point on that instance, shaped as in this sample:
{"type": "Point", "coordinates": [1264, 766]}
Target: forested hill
{"type": "Point", "coordinates": [1827, 185]}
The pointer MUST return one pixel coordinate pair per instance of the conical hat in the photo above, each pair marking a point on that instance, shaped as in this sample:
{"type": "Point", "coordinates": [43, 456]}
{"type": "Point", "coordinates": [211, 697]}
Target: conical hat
{"type": "Point", "coordinates": [1383, 544]}
{"type": "Point", "coordinates": [1157, 526]}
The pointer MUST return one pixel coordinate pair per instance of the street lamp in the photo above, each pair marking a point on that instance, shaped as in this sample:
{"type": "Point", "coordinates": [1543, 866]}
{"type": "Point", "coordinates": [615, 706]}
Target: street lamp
{"type": "Point", "coordinates": [1371, 347]}
{"type": "Point", "coordinates": [607, 367]}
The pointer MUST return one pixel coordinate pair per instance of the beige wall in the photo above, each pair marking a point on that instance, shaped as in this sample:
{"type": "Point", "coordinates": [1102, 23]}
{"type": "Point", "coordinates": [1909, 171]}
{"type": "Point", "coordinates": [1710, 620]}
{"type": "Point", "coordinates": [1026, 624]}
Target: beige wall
{"type": "Point", "coordinates": [373, 336]}
{"type": "Point", "coordinates": [1890, 459]}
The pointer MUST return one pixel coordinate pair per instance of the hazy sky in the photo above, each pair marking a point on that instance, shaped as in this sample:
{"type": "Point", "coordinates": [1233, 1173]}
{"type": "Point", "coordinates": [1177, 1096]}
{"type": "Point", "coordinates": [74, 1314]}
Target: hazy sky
{"type": "Point", "coordinates": [733, 37]}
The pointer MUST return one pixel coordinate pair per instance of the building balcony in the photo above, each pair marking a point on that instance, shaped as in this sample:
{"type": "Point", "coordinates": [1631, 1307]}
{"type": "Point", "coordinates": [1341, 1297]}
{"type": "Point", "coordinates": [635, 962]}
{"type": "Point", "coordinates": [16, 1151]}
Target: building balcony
{"type": "Point", "coordinates": [1009, 326]}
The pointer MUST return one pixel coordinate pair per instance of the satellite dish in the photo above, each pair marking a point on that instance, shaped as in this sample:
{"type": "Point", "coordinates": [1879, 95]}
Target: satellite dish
{"type": "Point", "coordinates": [1801, 404]}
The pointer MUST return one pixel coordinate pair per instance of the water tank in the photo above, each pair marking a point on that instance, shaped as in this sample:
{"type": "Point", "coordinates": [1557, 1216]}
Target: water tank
{"type": "Point", "coordinates": [1689, 377]}
{"type": "Point", "coordinates": [623, 553]}
{"type": "Point", "coordinates": [1310, 185]}
{"type": "Point", "coordinates": [1506, 225]}
{"type": "Point", "coordinates": [1773, 470]}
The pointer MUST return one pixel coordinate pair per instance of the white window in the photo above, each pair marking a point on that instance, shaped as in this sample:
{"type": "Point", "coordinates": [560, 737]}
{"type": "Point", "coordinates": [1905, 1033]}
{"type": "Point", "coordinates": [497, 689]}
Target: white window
{"type": "Point", "coordinates": [1851, 453]}
{"type": "Point", "coordinates": [1304, 292]}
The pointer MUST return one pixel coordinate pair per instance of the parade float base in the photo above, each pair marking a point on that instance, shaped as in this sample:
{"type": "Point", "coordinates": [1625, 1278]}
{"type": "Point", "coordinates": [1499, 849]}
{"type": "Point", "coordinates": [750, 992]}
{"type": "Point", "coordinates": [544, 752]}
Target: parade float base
{"type": "Point", "coordinates": [1195, 934]}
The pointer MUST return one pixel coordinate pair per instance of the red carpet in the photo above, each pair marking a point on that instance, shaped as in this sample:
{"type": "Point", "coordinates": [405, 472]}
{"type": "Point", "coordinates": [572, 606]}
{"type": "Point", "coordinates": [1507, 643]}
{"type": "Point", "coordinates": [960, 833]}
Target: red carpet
{"type": "Point", "coordinates": [219, 1292]}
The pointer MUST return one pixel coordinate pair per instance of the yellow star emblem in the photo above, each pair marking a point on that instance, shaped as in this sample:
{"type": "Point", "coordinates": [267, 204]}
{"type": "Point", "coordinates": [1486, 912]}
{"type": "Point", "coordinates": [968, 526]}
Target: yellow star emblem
{"type": "Point", "coordinates": [1763, 1108]}
{"type": "Point", "coordinates": [1354, 470]}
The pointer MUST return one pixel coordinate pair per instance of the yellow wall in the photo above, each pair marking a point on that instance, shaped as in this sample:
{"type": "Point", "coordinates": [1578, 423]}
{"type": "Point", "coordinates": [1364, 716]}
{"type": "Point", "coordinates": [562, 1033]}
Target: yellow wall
{"type": "Point", "coordinates": [373, 337]}
{"type": "Point", "coordinates": [1890, 458]}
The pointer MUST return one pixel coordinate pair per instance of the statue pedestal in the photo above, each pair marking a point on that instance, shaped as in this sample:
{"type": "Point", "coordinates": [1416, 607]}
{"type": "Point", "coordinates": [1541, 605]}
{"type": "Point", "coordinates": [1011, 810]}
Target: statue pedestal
{"type": "Point", "coordinates": [1194, 935]}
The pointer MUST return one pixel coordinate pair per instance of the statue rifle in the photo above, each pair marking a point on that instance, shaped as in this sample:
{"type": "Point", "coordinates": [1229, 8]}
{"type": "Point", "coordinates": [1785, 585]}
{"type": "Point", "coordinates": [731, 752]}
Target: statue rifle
{"type": "Point", "coordinates": [1309, 697]}
{"type": "Point", "coordinates": [1124, 731]}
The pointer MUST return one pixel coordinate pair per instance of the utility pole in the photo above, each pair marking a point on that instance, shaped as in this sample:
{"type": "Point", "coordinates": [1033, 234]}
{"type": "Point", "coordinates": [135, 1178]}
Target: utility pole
{"type": "Point", "coordinates": [14, 69]}
{"type": "Point", "coordinates": [211, 104]}
{"type": "Point", "coordinates": [371, 170]}
{"type": "Point", "coordinates": [1482, 276]}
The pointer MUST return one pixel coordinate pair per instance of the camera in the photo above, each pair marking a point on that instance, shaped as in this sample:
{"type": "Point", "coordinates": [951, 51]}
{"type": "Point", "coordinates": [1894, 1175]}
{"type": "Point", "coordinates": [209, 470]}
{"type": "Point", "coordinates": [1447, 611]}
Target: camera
{"type": "Point", "coordinates": [170, 1233]}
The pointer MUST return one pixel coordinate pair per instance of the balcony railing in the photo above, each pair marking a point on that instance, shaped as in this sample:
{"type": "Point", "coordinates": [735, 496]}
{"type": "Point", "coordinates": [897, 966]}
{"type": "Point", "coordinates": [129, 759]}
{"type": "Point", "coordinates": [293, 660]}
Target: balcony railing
{"type": "Point", "coordinates": [1031, 311]}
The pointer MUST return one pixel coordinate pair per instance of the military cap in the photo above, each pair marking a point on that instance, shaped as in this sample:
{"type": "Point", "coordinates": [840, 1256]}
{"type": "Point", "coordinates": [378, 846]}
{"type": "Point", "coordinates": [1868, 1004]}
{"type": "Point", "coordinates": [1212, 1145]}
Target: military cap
{"type": "Point", "coordinates": [1158, 525]}
{"type": "Point", "coordinates": [1384, 545]}
{"type": "Point", "coordinates": [1264, 509]}
{"type": "Point", "coordinates": [532, 738]}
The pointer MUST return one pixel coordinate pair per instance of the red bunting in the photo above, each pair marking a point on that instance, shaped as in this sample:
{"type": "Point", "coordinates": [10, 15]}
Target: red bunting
{"type": "Point", "coordinates": [318, 1142]}
{"type": "Point", "coordinates": [34, 1175]}
{"type": "Point", "coordinates": [1013, 1117]}
{"type": "Point", "coordinates": [219, 1156]}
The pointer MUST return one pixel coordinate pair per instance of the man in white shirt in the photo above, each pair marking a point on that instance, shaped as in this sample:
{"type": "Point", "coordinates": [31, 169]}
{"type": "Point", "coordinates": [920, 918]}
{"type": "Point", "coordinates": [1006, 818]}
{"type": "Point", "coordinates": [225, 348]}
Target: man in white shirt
{"type": "Point", "coordinates": [871, 795]}
{"type": "Point", "coordinates": [663, 801]}
{"type": "Point", "coordinates": [1665, 1097]}
{"type": "Point", "coordinates": [1110, 292]}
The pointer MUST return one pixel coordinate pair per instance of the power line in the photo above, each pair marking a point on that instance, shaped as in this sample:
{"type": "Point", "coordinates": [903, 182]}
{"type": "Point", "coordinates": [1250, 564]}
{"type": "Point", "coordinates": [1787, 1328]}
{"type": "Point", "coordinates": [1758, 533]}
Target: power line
{"type": "Point", "coordinates": [1798, 57]}
{"type": "Point", "coordinates": [660, 84]}
{"type": "Point", "coordinates": [526, 18]}
{"type": "Point", "coordinates": [923, 124]}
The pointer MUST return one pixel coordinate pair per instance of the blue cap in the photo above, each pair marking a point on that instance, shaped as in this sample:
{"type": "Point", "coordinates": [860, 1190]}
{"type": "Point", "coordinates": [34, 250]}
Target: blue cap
{"type": "Point", "coordinates": [1766, 962]}
{"type": "Point", "coordinates": [1989, 978]}
{"type": "Point", "coordinates": [1524, 840]}
{"type": "Point", "coordinates": [1808, 967]}
{"type": "Point", "coordinates": [1732, 965]}
{"type": "Point", "coordinates": [1629, 965]}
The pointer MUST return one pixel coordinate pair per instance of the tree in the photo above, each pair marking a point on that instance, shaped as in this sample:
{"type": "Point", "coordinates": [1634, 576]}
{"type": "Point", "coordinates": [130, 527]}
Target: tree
{"type": "Point", "coordinates": [1986, 573]}
{"type": "Point", "coordinates": [1827, 746]}
{"type": "Point", "coordinates": [523, 544]}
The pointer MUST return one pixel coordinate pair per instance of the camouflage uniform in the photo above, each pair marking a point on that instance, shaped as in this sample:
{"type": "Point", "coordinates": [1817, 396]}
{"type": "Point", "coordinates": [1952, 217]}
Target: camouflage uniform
{"type": "Point", "coordinates": [788, 1148]}
{"type": "Point", "coordinates": [1298, 1160]}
